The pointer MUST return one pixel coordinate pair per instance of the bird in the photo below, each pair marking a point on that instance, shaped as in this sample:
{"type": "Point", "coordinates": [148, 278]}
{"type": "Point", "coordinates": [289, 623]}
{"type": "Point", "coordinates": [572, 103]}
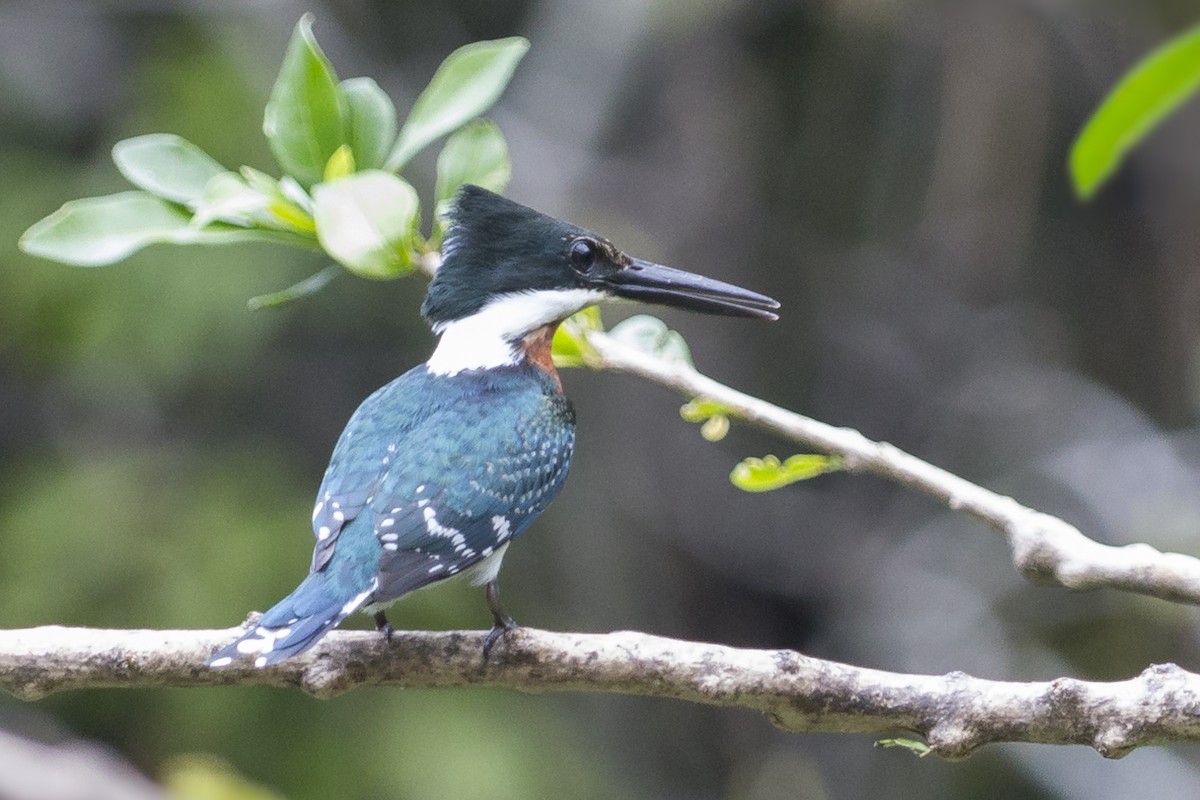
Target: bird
{"type": "Point", "coordinates": [439, 471]}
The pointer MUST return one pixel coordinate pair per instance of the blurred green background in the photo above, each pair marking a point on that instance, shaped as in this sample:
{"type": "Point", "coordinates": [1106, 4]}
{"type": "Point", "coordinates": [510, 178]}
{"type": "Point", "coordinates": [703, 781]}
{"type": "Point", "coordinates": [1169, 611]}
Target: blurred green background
{"type": "Point", "coordinates": [892, 170]}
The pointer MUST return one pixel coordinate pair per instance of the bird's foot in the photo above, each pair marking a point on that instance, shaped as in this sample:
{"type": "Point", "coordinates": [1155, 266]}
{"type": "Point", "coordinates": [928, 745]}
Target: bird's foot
{"type": "Point", "coordinates": [501, 623]}
{"type": "Point", "coordinates": [501, 626]}
{"type": "Point", "coordinates": [383, 626]}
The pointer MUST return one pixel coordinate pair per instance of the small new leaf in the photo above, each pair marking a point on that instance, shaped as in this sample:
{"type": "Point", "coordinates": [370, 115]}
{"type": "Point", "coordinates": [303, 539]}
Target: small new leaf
{"type": "Point", "coordinates": [228, 198]}
{"type": "Point", "coordinates": [467, 83]}
{"type": "Point", "coordinates": [340, 164]}
{"type": "Point", "coordinates": [768, 473]}
{"type": "Point", "coordinates": [166, 165]}
{"type": "Point", "coordinates": [715, 428]}
{"type": "Point", "coordinates": [712, 416]}
{"type": "Point", "coordinates": [700, 409]}
{"type": "Point", "coordinates": [1147, 94]}
{"type": "Point", "coordinates": [570, 347]}
{"type": "Point", "coordinates": [651, 335]}
{"type": "Point", "coordinates": [251, 199]}
{"type": "Point", "coordinates": [194, 777]}
{"type": "Point", "coordinates": [309, 286]}
{"type": "Point", "coordinates": [305, 119]}
{"type": "Point", "coordinates": [920, 748]}
{"type": "Point", "coordinates": [290, 205]}
{"type": "Point", "coordinates": [366, 222]}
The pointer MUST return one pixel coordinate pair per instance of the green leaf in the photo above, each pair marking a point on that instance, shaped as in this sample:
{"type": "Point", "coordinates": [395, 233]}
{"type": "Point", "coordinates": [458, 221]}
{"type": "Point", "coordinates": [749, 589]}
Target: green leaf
{"type": "Point", "coordinates": [305, 119]}
{"type": "Point", "coordinates": [294, 193]}
{"type": "Point", "coordinates": [372, 122]}
{"type": "Point", "coordinates": [251, 200]}
{"type": "Point", "coordinates": [97, 231]}
{"type": "Point", "coordinates": [1149, 92]}
{"type": "Point", "coordinates": [918, 747]}
{"type": "Point", "coordinates": [570, 347]}
{"type": "Point", "coordinates": [166, 165]}
{"type": "Point", "coordinates": [228, 198]}
{"type": "Point", "coordinates": [712, 416]}
{"type": "Point", "coordinates": [715, 428]}
{"type": "Point", "coordinates": [476, 153]}
{"type": "Point", "coordinates": [467, 83]}
{"type": "Point", "coordinates": [366, 222]}
{"type": "Point", "coordinates": [199, 777]}
{"type": "Point", "coordinates": [340, 164]}
{"type": "Point", "coordinates": [309, 286]}
{"type": "Point", "coordinates": [700, 409]}
{"type": "Point", "coordinates": [259, 181]}
{"type": "Point", "coordinates": [651, 335]}
{"type": "Point", "coordinates": [765, 474]}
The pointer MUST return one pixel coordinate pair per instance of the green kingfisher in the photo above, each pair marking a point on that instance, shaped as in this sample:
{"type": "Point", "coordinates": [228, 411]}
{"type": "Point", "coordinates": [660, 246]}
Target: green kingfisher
{"type": "Point", "coordinates": [441, 469]}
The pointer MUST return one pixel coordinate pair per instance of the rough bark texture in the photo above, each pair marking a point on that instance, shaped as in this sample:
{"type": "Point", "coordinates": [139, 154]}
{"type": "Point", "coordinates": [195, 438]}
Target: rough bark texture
{"type": "Point", "coordinates": [955, 714]}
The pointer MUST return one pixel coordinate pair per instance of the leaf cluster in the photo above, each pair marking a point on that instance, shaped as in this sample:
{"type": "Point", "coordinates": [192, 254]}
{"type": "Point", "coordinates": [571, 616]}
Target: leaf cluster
{"type": "Point", "coordinates": [340, 152]}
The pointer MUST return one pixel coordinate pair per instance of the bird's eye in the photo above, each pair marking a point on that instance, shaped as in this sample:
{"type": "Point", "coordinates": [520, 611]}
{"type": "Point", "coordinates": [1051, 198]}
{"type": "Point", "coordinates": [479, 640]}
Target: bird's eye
{"type": "Point", "coordinates": [583, 255]}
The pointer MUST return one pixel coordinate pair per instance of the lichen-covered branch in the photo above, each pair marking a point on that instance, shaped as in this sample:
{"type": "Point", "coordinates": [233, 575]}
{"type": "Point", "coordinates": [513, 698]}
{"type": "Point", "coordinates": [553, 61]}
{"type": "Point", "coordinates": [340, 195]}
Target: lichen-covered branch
{"type": "Point", "coordinates": [1045, 549]}
{"type": "Point", "coordinates": [954, 714]}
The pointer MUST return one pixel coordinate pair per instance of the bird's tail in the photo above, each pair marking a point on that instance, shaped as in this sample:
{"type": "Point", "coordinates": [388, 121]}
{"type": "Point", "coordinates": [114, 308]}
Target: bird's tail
{"type": "Point", "coordinates": [294, 624]}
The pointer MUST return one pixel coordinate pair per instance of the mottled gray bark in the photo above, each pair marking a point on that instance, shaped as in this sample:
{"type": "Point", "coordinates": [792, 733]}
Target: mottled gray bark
{"type": "Point", "coordinates": [954, 714]}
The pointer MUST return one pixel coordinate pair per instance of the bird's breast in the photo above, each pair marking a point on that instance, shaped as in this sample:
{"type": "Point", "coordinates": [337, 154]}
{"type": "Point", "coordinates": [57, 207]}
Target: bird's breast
{"type": "Point", "coordinates": [536, 348]}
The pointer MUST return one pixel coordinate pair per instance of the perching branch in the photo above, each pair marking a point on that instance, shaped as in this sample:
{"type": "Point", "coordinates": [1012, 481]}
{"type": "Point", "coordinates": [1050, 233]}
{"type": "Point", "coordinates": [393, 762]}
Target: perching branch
{"type": "Point", "coordinates": [1045, 549]}
{"type": "Point", "coordinates": [955, 714]}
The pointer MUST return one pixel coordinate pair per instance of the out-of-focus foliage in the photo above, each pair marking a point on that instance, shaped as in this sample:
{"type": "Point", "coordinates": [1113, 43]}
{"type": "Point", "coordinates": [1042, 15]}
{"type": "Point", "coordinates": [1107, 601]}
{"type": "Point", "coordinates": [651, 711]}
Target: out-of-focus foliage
{"type": "Point", "coordinates": [469, 81]}
{"type": "Point", "coordinates": [330, 138]}
{"type": "Point", "coordinates": [206, 778]}
{"type": "Point", "coordinates": [1150, 92]}
{"type": "Point", "coordinates": [892, 172]}
{"type": "Point", "coordinates": [570, 347]}
{"type": "Point", "coordinates": [653, 336]}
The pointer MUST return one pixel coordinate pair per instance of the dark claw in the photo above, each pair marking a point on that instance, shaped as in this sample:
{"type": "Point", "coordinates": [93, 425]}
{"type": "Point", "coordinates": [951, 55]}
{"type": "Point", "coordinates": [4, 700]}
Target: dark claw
{"type": "Point", "coordinates": [498, 630]}
{"type": "Point", "coordinates": [383, 626]}
{"type": "Point", "coordinates": [501, 623]}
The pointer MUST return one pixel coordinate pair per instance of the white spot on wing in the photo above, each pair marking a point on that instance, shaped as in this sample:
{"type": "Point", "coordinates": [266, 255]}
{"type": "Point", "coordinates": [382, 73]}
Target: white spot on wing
{"type": "Point", "coordinates": [435, 528]}
{"type": "Point", "coordinates": [501, 526]}
{"type": "Point", "coordinates": [354, 602]}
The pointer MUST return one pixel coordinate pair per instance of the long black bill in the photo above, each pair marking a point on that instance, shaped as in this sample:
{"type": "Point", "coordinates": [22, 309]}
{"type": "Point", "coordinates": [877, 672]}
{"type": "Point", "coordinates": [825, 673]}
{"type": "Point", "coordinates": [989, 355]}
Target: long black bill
{"type": "Point", "coordinates": [654, 283]}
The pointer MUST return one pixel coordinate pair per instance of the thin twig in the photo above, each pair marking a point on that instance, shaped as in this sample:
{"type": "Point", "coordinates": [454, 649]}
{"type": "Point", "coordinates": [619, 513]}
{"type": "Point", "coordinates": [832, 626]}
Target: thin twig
{"type": "Point", "coordinates": [1046, 549]}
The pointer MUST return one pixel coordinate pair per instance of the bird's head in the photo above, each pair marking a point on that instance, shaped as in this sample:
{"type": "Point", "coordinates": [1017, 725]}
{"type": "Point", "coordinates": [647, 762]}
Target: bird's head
{"type": "Point", "coordinates": [508, 270]}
